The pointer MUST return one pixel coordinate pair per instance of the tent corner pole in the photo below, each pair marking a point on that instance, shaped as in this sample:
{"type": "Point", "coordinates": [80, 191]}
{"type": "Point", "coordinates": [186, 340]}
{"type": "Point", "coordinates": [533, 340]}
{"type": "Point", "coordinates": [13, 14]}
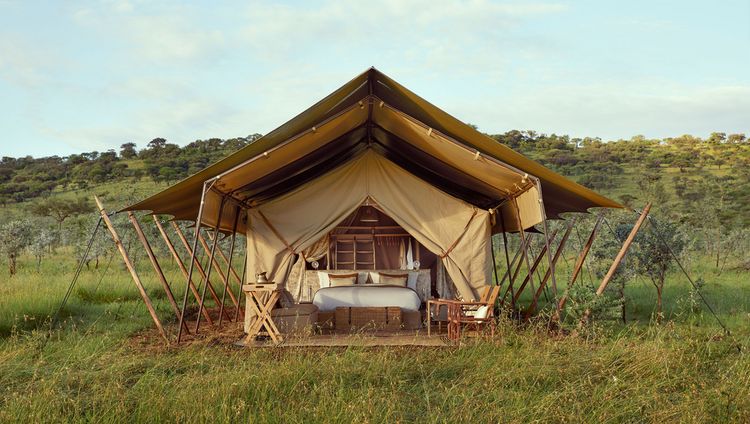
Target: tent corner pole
{"type": "Point", "coordinates": [211, 260]}
{"type": "Point", "coordinates": [192, 260]}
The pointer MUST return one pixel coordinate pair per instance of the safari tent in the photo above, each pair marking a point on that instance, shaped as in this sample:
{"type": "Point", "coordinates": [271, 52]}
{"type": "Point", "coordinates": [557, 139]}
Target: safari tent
{"type": "Point", "coordinates": [370, 179]}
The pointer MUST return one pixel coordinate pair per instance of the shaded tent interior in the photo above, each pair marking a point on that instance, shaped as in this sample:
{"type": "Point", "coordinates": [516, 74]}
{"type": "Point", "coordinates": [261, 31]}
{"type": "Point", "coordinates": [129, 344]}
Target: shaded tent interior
{"type": "Point", "coordinates": [374, 142]}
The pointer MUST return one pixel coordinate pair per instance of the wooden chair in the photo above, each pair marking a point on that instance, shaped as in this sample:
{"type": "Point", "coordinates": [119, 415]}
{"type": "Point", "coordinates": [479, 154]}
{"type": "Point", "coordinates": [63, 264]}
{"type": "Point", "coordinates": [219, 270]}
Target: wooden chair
{"type": "Point", "coordinates": [436, 304]}
{"type": "Point", "coordinates": [473, 315]}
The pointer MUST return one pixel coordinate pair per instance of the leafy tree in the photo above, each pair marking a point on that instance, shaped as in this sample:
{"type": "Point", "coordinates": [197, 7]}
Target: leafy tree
{"type": "Point", "coordinates": [653, 256]}
{"type": "Point", "coordinates": [127, 151]}
{"type": "Point", "coordinates": [42, 245]}
{"type": "Point", "coordinates": [15, 236]}
{"type": "Point", "coordinates": [61, 209]}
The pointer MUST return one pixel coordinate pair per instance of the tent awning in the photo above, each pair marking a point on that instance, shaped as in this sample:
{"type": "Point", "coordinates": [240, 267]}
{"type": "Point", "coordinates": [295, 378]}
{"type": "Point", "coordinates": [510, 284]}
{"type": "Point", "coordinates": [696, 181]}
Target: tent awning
{"type": "Point", "coordinates": [374, 112]}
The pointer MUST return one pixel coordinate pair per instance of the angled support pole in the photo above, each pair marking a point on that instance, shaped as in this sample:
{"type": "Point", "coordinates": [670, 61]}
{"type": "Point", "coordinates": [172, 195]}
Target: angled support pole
{"type": "Point", "coordinates": [534, 266]}
{"type": "Point", "coordinates": [514, 275]}
{"type": "Point", "coordinates": [618, 259]}
{"type": "Point", "coordinates": [223, 277]}
{"type": "Point", "coordinates": [224, 259]}
{"type": "Point", "coordinates": [522, 234]}
{"type": "Point", "coordinates": [193, 259]}
{"type": "Point", "coordinates": [550, 261]}
{"type": "Point", "coordinates": [507, 261]}
{"type": "Point", "coordinates": [180, 265]}
{"type": "Point", "coordinates": [229, 264]}
{"type": "Point", "coordinates": [579, 263]}
{"type": "Point", "coordinates": [211, 260]}
{"type": "Point", "coordinates": [155, 264]}
{"type": "Point", "coordinates": [131, 268]}
{"type": "Point", "coordinates": [198, 266]}
{"type": "Point", "coordinates": [550, 271]}
{"type": "Point", "coordinates": [239, 289]}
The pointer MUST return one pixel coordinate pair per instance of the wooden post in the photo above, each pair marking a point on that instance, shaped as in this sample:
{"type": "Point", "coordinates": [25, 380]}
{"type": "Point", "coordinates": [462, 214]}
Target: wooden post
{"type": "Point", "coordinates": [181, 265]}
{"type": "Point", "coordinates": [239, 291]}
{"type": "Point", "coordinates": [579, 262]}
{"type": "Point", "coordinates": [229, 264]}
{"type": "Point", "coordinates": [196, 262]}
{"type": "Point", "coordinates": [534, 266]}
{"type": "Point", "coordinates": [131, 268]}
{"type": "Point", "coordinates": [513, 276]}
{"type": "Point", "coordinates": [551, 270]}
{"type": "Point", "coordinates": [211, 261]}
{"type": "Point", "coordinates": [216, 263]}
{"type": "Point", "coordinates": [521, 234]}
{"type": "Point", "coordinates": [224, 259]}
{"type": "Point", "coordinates": [620, 256]}
{"type": "Point", "coordinates": [154, 263]}
{"type": "Point", "coordinates": [193, 259]}
{"type": "Point", "coordinates": [507, 262]}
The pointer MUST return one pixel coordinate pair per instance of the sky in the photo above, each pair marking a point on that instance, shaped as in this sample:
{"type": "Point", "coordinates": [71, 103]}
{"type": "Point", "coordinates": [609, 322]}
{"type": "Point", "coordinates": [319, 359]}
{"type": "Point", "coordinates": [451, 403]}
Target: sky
{"type": "Point", "coordinates": [81, 76]}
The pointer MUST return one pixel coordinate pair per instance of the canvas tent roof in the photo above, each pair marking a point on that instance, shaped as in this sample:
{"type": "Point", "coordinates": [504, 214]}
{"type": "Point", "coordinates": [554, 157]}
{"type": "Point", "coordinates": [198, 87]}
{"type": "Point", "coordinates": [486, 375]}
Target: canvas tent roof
{"type": "Point", "coordinates": [374, 112]}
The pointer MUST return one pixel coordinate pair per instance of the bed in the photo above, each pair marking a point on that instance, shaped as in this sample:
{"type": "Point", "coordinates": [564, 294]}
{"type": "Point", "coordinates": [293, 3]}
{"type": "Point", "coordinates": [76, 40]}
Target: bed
{"type": "Point", "coordinates": [366, 295]}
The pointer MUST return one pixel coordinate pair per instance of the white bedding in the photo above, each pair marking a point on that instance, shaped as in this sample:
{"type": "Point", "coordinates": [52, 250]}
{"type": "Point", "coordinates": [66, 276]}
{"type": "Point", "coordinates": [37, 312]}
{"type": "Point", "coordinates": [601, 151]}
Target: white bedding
{"type": "Point", "coordinates": [329, 298]}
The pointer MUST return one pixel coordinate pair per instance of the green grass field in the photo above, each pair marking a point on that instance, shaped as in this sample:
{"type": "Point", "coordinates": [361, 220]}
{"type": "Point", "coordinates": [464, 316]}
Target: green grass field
{"type": "Point", "coordinates": [104, 363]}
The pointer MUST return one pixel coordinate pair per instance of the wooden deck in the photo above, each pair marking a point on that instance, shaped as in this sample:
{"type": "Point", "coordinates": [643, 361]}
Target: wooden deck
{"type": "Point", "coordinates": [369, 339]}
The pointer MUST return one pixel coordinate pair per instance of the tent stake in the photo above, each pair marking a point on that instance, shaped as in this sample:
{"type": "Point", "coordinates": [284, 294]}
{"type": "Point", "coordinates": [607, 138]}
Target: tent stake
{"type": "Point", "coordinates": [211, 261]}
{"type": "Point", "coordinates": [131, 268]}
{"type": "Point", "coordinates": [579, 264]}
{"type": "Point", "coordinates": [180, 265]}
{"type": "Point", "coordinates": [620, 256]}
{"type": "Point", "coordinates": [229, 264]}
{"type": "Point", "coordinates": [551, 270]}
{"type": "Point", "coordinates": [155, 264]}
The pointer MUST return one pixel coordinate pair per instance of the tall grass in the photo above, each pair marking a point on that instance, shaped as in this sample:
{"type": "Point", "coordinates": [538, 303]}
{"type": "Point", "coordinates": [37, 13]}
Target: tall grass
{"type": "Point", "coordinates": [105, 364]}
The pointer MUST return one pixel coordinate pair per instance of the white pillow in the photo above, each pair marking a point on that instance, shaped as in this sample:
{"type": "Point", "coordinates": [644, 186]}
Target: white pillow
{"type": "Point", "coordinates": [323, 279]}
{"type": "Point", "coordinates": [482, 312]}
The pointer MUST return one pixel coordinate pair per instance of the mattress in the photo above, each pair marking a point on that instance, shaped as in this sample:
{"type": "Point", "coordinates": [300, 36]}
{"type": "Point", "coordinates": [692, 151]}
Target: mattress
{"type": "Point", "coordinates": [371, 295]}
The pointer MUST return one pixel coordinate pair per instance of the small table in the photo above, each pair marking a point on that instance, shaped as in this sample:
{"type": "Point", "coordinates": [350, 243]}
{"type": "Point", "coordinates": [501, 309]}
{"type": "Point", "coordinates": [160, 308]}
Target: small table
{"type": "Point", "coordinates": [262, 298]}
{"type": "Point", "coordinates": [438, 303]}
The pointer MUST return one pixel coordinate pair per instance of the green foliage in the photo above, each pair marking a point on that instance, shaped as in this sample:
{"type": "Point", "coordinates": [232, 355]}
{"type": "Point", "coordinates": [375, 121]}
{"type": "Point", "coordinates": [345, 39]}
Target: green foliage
{"type": "Point", "coordinates": [15, 236]}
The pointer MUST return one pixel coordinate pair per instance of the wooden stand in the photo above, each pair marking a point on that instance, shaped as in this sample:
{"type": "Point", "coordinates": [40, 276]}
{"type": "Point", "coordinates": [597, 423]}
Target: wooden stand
{"type": "Point", "coordinates": [262, 298]}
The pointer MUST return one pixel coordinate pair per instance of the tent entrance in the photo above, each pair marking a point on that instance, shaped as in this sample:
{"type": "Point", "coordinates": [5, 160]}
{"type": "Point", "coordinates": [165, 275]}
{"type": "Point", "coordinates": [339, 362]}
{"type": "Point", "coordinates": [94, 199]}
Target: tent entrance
{"type": "Point", "coordinates": [369, 239]}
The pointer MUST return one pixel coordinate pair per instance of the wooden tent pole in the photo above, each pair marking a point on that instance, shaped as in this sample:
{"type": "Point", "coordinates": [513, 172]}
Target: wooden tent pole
{"type": "Point", "coordinates": [620, 256]}
{"type": "Point", "coordinates": [155, 264]}
{"type": "Point", "coordinates": [507, 260]}
{"type": "Point", "coordinates": [131, 268]}
{"type": "Point", "coordinates": [522, 234]}
{"type": "Point", "coordinates": [550, 262]}
{"type": "Point", "coordinates": [579, 263]}
{"type": "Point", "coordinates": [239, 289]}
{"type": "Point", "coordinates": [197, 263]}
{"type": "Point", "coordinates": [180, 265]}
{"type": "Point", "coordinates": [223, 257]}
{"type": "Point", "coordinates": [193, 259]}
{"type": "Point", "coordinates": [551, 270]}
{"type": "Point", "coordinates": [211, 261]}
{"type": "Point", "coordinates": [514, 275]}
{"type": "Point", "coordinates": [215, 263]}
{"type": "Point", "coordinates": [229, 264]}
{"type": "Point", "coordinates": [537, 261]}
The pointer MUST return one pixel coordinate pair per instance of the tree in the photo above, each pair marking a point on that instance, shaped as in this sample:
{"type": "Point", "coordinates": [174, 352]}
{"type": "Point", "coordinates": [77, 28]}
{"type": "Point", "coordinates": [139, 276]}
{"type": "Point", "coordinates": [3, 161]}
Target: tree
{"type": "Point", "coordinates": [61, 209]}
{"type": "Point", "coordinates": [42, 245]}
{"type": "Point", "coordinates": [15, 236]}
{"type": "Point", "coordinates": [127, 151]}
{"type": "Point", "coordinates": [653, 251]}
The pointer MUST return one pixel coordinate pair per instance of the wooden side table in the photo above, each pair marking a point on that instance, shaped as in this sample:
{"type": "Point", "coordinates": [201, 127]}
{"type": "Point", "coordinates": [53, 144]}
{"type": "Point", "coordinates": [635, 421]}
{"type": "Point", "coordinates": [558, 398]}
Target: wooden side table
{"type": "Point", "coordinates": [262, 298]}
{"type": "Point", "coordinates": [437, 303]}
